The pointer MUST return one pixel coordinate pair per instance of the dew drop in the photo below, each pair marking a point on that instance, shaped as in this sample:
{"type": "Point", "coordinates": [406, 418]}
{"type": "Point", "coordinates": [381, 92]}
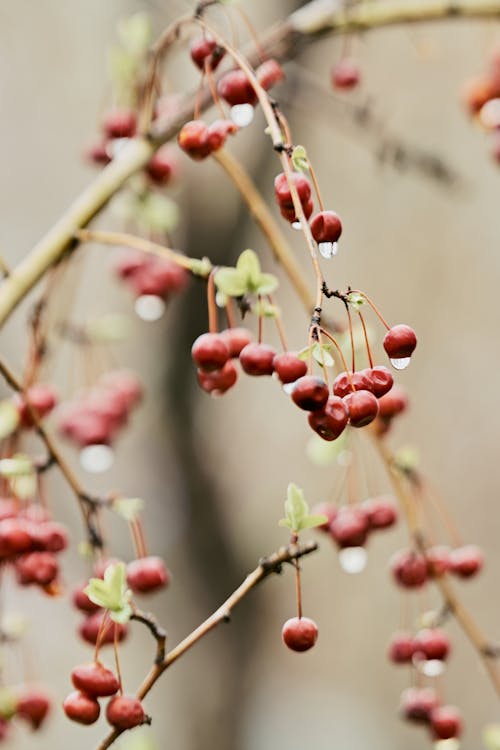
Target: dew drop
{"type": "Point", "coordinates": [353, 559]}
{"type": "Point", "coordinates": [297, 225]}
{"type": "Point", "coordinates": [96, 458]}
{"type": "Point", "coordinates": [288, 388]}
{"type": "Point", "coordinates": [242, 114]}
{"type": "Point", "coordinates": [400, 364]}
{"type": "Point", "coordinates": [431, 667]}
{"type": "Point", "coordinates": [328, 249]}
{"type": "Point", "coordinates": [149, 307]}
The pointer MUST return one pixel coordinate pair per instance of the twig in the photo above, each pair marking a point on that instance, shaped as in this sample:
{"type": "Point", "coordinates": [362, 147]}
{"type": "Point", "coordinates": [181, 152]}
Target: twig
{"type": "Point", "coordinates": [158, 633]}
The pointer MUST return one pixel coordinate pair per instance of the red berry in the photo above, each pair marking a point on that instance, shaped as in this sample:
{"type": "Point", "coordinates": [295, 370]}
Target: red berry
{"type": "Point", "coordinates": [162, 166]}
{"type": "Point", "coordinates": [81, 707]}
{"type": "Point", "coordinates": [257, 359]}
{"type": "Point", "coordinates": [98, 153]}
{"type": "Point", "coordinates": [432, 643]}
{"type": "Point", "coordinates": [15, 537]}
{"type": "Point", "coordinates": [235, 88]}
{"type": "Point", "coordinates": [349, 528]}
{"type": "Point", "coordinates": [446, 722]}
{"type": "Point", "coordinates": [95, 680]}
{"type": "Point", "coordinates": [330, 421]}
{"type": "Point", "coordinates": [409, 568]}
{"type": "Point", "coordinates": [193, 139]}
{"type": "Point", "coordinates": [119, 123]}
{"type": "Point", "coordinates": [126, 383]}
{"type": "Point", "coordinates": [438, 561]}
{"type": "Point", "coordinates": [87, 428]}
{"type": "Point", "coordinates": [124, 712]}
{"type": "Point", "coordinates": [299, 633]}
{"type": "Point", "coordinates": [50, 536]}
{"type": "Point", "coordinates": [401, 648]}
{"type": "Point", "coordinates": [466, 561]}
{"type": "Point", "coordinates": [210, 352]}
{"type": "Point", "coordinates": [400, 342]}
{"type": "Point", "coordinates": [381, 511]}
{"type": "Point", "coordinates": [205, 50]}
{"type": "Point", "coordinates": [289, 367]}
{"type": "Point", "coordinates": [236, 339]}
{"type": "Point", "coordinates": [417, 704]}
{"type": "Point", "coordinates": [218, 132]}
{"type": "Point", "coordinates": [393, 403]}
{"type": "Point", "coordinates": [147, 574]}
{"type": "Point", "coordinates": [347, 382]}
{"type": "Point", "coordinates": [346, 74]}
{"type": "Point", "coordinates": [283, 193]}
{"type": "Point", "coordinates": [310, 393]}
{"type": "Point", "coordinates": [362, 407]}
{"type": "Point", "coordinates": [89, 629]}
{"type": "Point", "coordinates": [41, 397]}
{"type": "Point", "coordinates": [218, 382]}
{"type": "Point", "coordinates": [381, 380]}
{"type": "Point", "coordinates": [326, 226]}
{"type": "Point", "coordinates": [41, 568]}
{"type": "Point", "coordinates": [269, 73]}
{"type": "Point", "coordinates": [33, 706]}
{"type": "Point", "coordinates": [81, 600]}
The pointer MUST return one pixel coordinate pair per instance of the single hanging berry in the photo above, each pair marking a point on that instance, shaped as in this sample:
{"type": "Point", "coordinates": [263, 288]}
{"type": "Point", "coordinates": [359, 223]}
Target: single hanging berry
{"type": "Point", "coordinates": [299, 633]}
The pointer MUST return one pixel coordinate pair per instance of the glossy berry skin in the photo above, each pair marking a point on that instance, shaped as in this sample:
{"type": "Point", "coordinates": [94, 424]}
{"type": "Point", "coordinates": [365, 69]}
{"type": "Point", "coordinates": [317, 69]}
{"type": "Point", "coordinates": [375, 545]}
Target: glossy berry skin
{"type": "Point", "coordinates": [41, 397]}
{"type": "Point", "coordinates": [417, 704]}
{"type": "Point", "coordinates": [236, 339]}
{"type": "Point", "coordinates": [283, 193]}
{"type": "Point", "coordinates": [218, 382]}
{"type": "Point", "coordinates": [95, 680]}
{"type": "Point", "coordinates": [192, 139]}
{"type": "Point", "coordinates": [362, 407]}
{"type": "Point", "coordinates": [345, 74]}
{"type": "Point", "coordinates": [330, 422]}
{"type": "Point", "coordinates": [49, 536]}
{"type": "Point", "coordinates": [81, 708]}
{"type": "Point", "coordinates": [393, 403]}
{"type": "Point", "coordinates": [269, 73]}
{"type": "Point", "coordinates": [235, 88]}
{"type": "Point", "coordinates": [299, 633]}
{"type": "Point", "coordinates": [289, 367]}
{"type": "Point", "coordinates": [310, 393]}
{"type": "Point", "coordinates": [326, 226]}
{"type": "Point", "coordinates": [347, 382]}
{"type": "Point", "coordinates": [409, 569]}
{"type": "Point", "coordinates": [400, 341]}
{"type": "Point", "coordinates": [206, 52]}
{"type": "Point", "coordinates": [381, 380]}
{"type": "Point", "coordinates": [381, 511]}
{"type": "Point", "coordinates": [33, 706]}
{"type": "Point", "coordinates": [119, 123]}
{"type": "Point", "coordinates": [438, 561]}
{"type": "Point", "coordinates": [41, 568]}
{"type": "Point", "coordinates": [257, 359]}
{"type": "Point", "coordinates": [162, 166]}
{"type": "Point", "coordinates": [432, 643]}
{"type": "Point", "coordinates": [218, 132]}
{"type": "Point", "coordinates": [147, 574]}
{"type": "Point", "coordinates": [325, 509]}
{"type": "Point", "coordinates": [209, 352]}
{"type": "Point", "coordinates": [15, 537]}
{"type": "Point", "coordinates": [290, 215]}
{"type": "Point", "coordinates": [446, 722]}
{"type": "Point", "coordinates": [350, 527]}
{"type": "Point", "coordinates": [124, 712]}
{"type": "Point", "coordinates": [89, 630]}
{"type": "Point", "coordinates": [82, 602]}
{"type": "Point", "coordinates": [401, 648]}
{"type": "Point", "coordinates": [467, 561]}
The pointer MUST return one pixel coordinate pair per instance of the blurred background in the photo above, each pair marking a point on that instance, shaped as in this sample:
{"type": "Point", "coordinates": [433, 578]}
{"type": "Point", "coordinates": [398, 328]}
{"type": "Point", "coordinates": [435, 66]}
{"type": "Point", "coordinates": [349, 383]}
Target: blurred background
{"type": "Point", "coordinates": [213, 472]}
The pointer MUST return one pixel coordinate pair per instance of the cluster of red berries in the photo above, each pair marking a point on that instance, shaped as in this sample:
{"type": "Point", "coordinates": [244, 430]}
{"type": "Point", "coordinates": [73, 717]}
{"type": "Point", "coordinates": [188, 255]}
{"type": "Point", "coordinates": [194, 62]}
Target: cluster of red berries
{"type": "Point", "coordinates": [235, 88]}
{"type": "Point", "coordinates": [422, 706]}
{"type": "Point", "coordinates": [151, 275]}
{"type": "Point", "coordinates": [93, 681]}
{"type": "Point", "coordinates": [41, 397]}
{"type": "Point", "coordinates": [31, 541]}
{"type": "Point", "coordinates": [31, 705]}
{"type": "Point", "coordinates": [482, 99]}
{"type": "Point", "coordinates": [199, 140]}
{"type": "Point", "coordinates": [412, 569]}
{"type": "Point", "coordinates": [350, 525]}
{"type": "Point", "coordinates": [97, 415]}
{"type": "Point", "coordinates": [428, 644]}
{"type": "Point", "coordinates": [214, 353]}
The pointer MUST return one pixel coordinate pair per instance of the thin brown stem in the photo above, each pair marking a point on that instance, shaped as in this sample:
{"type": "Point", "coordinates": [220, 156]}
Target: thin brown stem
{"type": "Point", "coordinates": [213, 325]}
{"type": "Point", "coordinates": [367, 340]}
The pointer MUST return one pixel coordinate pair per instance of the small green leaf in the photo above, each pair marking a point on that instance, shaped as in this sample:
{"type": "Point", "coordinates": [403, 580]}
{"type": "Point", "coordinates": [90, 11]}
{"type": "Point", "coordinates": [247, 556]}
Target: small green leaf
{"type": "Point", "coordinates": [296, 508]}
{"type": "Point", "coordinates": [248, 265]}
{"type": "Point", "coordinates": [300, 160]}
{"type": "Point", "coordinates": [128, 507]}
{"type": "Point", "coordinates": [230, 282]}
{"type": "Point", "coordinates": [201, 267]}
{"type": "Point", "coordinates": [311, 521]}
{"type": "Point", "coordinates": [491, 736]}
{"type": "Point", "coordinates": [121, 616]}
{"type": "Point", "coordinates": [9, 418]}
{"type": "Point", "coordinates": [8, 703]}
{"type": "Point", "coordinates": [112, 592]}
{"type": "Point", "coordinates": [267, 284]}
{"type": "Point", "coordinates": [263, 307]}
{"type": "Point", "coordinates": [356, 300]}
{"type": "Point", "coordinates": [321, 353]}
{"type": "Point", "coordinates": [304, 353]}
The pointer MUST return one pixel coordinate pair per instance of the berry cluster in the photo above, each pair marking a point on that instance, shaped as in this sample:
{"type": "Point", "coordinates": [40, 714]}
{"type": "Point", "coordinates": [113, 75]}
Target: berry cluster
{"type": "Point", "coordinates": [422, 706]}
{"type": "Point", "coordinates": [150, 275]}
{"type": "Point", "coordinates": [412, 569]}
{"type": "Point", "coordinates": [350, 525]}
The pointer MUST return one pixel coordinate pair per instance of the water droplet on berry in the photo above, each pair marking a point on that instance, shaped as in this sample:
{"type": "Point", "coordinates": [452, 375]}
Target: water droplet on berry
{"type": "Point", "coordinates": [149, 307]}
{"type": "Point", "coordinates": [431, 667]}
{"type": "Point", "coordinates": [288, 388]}
{"type": "Point", "coordinates": [400, 364]}
{"type": "Point", "coordinates": [328, 249]}
{"type": "Point", "coordinates": [96, 458]}
{"type": "Point", "coordinates": [353, 559]}
{"type": "Point", "coordinates": [242, 114]}
{"type": "Point", "coordinates": [297, 225]}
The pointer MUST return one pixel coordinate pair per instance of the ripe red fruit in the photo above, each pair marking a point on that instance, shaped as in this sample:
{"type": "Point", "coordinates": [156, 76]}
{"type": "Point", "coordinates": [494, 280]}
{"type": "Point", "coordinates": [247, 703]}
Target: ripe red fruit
{"type": "Point", "coordinates": [124, 712]}
{"type": "Point", "coordinates": [466, 561]}
{"type": "Point", "coordinates": [235, 88]}
{"type": "Point", "coordinates": [33, 706]}
{"type": "Point", "coordinates": [41, 397]}
{"type": "Point", "coordinates": [125, 383]}
{"type": "Point", "coordinates": [95, 680]}
{"type": "Point", "coordinates": [119, 123]}
{"type": "Point", "coordinates": [269, 73]}
{"type": "Point", "coordinates": [330, 421]}
{"type": "Point", "coordinates": [345, 74]}
{"type": "Point", "coordinates": [89, 629]}
{"type": "Point", "coordinates": [162, 166]}
{"type": "Point", "coordinates": [289, 367]}
{"type": "Point", "coordinates": [438, 561]}
{"type": "Point", "coordinates": [236, 339]}
{"type": "Point", "coordinates": [381, 380]}
{"type": "Point", "coordinates": [299, 633]}
{"type": "Point", "coordinates": [218, 132]}
{"type": "Point", "coordinates": [381, 511]}
{"type": "Point", "coordinates": [257, 359]}
{"type": "Point", "coordinates": [84, 427]}
{"type": "Point", "coordinates": [147, 574]}
{"type": "Point", "coordinates": [362, 407]}
{"type": "Point", "coordinates": [81, 708]}
{"type": "Point", "coordinates": [400, 341]}
{"type": "Point", "coordinates": [432, 643]}
{"type": "Point", "coordinates": [50, 536]}
{"type": "Point", "coordinates": [218, 382]}
{"type": "Point", "coordinates": [210, 352]}
{"type": "Point", "coordinates": [349, 528]}
{"type": "Point", "coordinates": [192, 139]}
{"type": "Point", "coordinates": [401, 648]}
{"type": "Point", "coordinates": [81, 600]}
{"type": "Point", "coordinates": [417, 704]}
{"type": "Point", "coordinates": [477, 91]}
{"type": "Point", "coordinates": [325, 509]}
{"type": "Point", "coordinates": [98, 153]}
{"type": "Point", "coordinates": [310, 393]}
{"type": "Point", "coordinates": [282, 189]}
{"type": "Point", "coordinates": [15, 537]}
{"type": "Point", "coordinates": [392, 403]}
{"type": "Point", "coordinates": [446, 722]}
{"type": "Point", "coordinates": [41, 568]}
{"type": "Point", "coordinates": [290, 215]}
{"type": "Point", "coordinates": [345, 382]}
{"type": "Point", "coordinates": [205, 50]}
{"type": "Point", "coordinates": [409, 568]}
{"type": "Point", "coordinates": [326, 226]}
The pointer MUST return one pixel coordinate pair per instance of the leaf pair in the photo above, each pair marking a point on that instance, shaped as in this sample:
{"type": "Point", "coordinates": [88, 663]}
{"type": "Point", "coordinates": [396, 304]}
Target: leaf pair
{"type": "Point", "coordinates": [112, 593]}
{"type": "Point", "coordinates": [246, 278]}
{"type": "Point", "coordinates": [297, 516]}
